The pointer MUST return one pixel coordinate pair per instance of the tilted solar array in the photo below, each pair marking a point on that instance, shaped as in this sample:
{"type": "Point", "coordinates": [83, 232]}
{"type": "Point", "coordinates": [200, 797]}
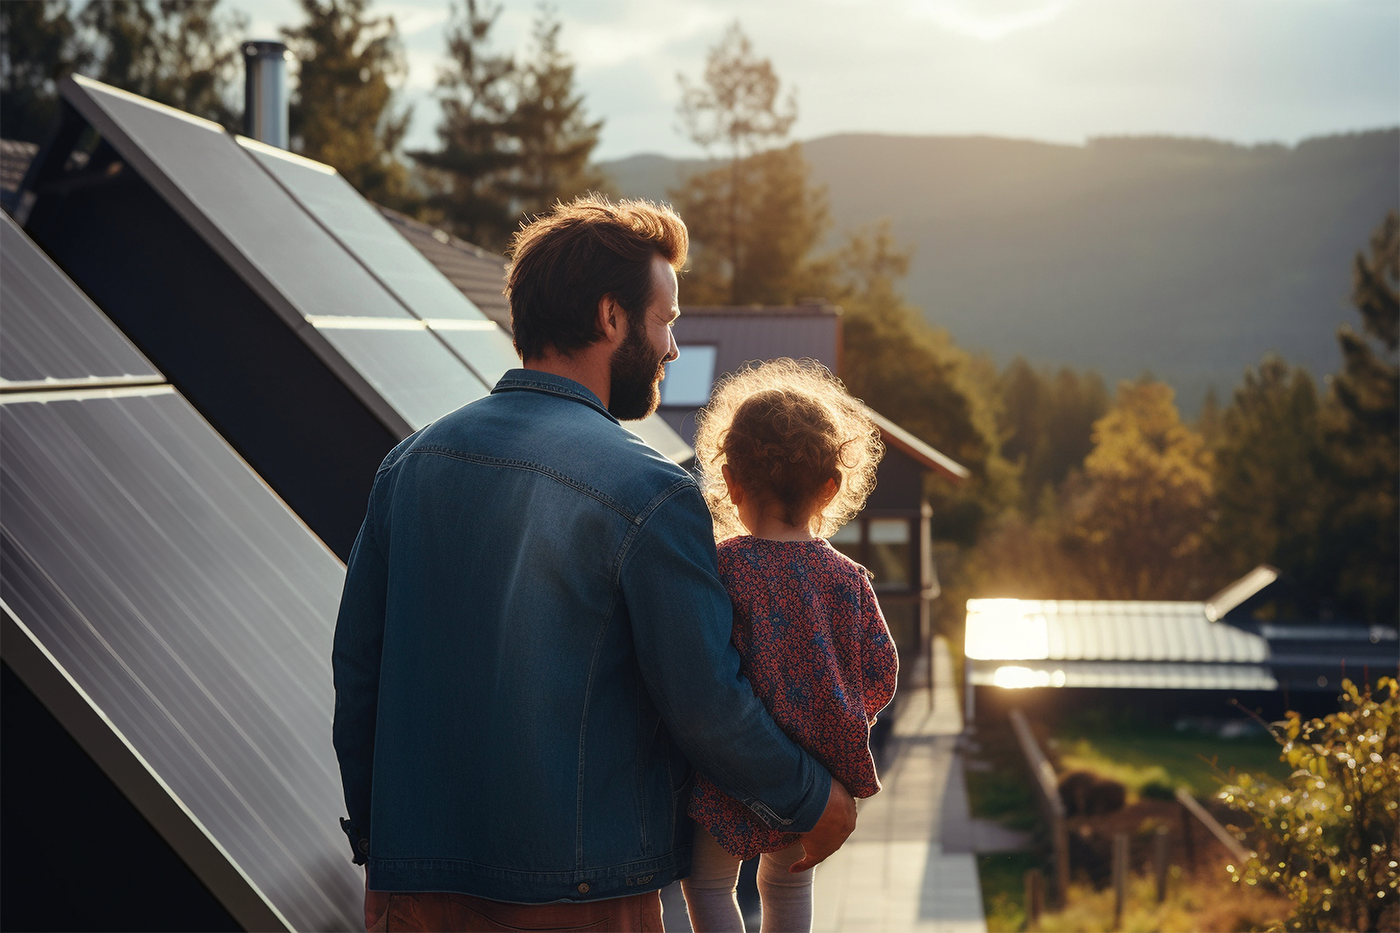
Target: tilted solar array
{"type": "Point", "coordinates": [280, 302]}
{"type": "Point", "coordinates": [169, 610]}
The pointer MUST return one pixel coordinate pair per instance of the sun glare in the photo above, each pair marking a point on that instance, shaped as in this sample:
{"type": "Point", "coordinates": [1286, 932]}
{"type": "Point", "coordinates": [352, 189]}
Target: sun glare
{"type": "Point", "coordinates": [1006, 630]}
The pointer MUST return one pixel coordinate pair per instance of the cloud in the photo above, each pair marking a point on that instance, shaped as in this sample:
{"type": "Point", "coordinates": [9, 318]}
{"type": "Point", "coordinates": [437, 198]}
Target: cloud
{"type": "Point", "coordinates": [989, 20]}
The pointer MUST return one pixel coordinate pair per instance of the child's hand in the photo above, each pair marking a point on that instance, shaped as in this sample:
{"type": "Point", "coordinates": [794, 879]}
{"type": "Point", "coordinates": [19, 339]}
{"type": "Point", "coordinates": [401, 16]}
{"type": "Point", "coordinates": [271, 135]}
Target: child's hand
{"type": "Point", "coordinates": [837, 822]}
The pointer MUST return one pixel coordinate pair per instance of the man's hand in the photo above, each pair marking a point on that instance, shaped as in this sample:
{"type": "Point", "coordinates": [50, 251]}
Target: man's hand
{"type": "Point", "coordinates": [837, 822]}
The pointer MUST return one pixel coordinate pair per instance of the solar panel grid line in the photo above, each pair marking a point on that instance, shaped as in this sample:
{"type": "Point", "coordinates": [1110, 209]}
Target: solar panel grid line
{"type": "Point", "coordinates": [105, 743]}
{"type": "Point", "coordinates": [482, 361]}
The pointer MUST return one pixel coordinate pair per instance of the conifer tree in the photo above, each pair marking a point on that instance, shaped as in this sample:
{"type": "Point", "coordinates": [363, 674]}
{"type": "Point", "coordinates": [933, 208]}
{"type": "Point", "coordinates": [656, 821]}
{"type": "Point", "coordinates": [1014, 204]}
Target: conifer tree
{"type": "Point", "coordinates": [514, 137]}
{"type": "Point", "coordinates": [1363, 436]}
{"type": "Point", "coordinates": [39, 47]}
{"type": "Point", "coordinates": [343, 111]}
{"type": "Point", "coordinates": [184, 53]}
{"type": "Point", "coordinates": [556, 138]}
{"type": "Point", "coordinates": [1267, 482]}
{"type": "Point", "coordinates": [476, 144]}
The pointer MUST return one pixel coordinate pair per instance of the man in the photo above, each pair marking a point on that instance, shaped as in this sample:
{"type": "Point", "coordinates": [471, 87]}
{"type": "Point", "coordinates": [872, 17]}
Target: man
{"type": "Point", "coordinates": [533, 644]}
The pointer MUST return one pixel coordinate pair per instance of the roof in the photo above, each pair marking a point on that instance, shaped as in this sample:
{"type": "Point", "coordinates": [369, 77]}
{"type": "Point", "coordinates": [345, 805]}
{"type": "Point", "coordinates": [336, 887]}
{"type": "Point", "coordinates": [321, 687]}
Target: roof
{"type": "Point", "coordinates": [15, 157]}
{"type": "Point", "coordinates": [1104, 630]}
{"type": "Point", "coordinates": [478, 273]}
{"type": "Point", "coordinates": [928, 457]}
{"type": "Point", "coordinates": [742, 335]}
{"type": "Point", "coordinates": [167, 608]}
{"type": "Point", "coordinates": [1143, 644]}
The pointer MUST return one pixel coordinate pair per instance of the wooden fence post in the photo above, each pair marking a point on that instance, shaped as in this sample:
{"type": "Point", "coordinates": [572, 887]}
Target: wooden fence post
{"type": "Point", "coordinates": [1052, 805]}
{"type": "Point", "coordinates": [1160, 862]}
{"type": "Point", "coordinates": [1120, 877]}
{"type": "Point", "coordinates": [1232, 845]}
{"type": "Point", "coordinates": [1035, 897]}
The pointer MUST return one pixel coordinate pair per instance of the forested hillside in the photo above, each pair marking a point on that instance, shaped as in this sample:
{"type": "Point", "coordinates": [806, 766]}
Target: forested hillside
{"type": "Point", "coordinates": [1189, 258]}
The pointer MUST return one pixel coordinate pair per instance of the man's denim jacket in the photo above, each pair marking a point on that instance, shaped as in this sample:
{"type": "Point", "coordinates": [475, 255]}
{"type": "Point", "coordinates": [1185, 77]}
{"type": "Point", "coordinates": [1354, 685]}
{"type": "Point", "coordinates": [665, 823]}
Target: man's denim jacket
{"type": "Point", "coordinates": [532, 647]}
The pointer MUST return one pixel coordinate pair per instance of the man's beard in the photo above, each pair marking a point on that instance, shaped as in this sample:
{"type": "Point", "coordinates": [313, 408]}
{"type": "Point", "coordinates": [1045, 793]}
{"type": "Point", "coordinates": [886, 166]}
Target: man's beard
{"type": "Point", "coordinates": [636, 376]}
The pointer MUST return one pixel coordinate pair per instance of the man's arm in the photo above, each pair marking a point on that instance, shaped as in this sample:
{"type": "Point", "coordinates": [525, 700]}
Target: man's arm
{"type": "Point", "coordinates": [359, 640]}
{"type": "Point", "coordinates": [681, 620]}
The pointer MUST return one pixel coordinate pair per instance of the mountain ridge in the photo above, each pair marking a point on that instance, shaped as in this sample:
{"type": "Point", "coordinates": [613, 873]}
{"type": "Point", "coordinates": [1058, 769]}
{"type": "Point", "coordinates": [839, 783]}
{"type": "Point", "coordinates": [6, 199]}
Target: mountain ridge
{"type": "Point", "coordinates": [1188, 257]}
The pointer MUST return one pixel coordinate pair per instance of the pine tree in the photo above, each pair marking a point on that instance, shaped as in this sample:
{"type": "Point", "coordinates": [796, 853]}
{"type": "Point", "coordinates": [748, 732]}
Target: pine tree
{"type": "Point", "coordinates": [915, 375]}
{"type": "Point", "coordinates": [183, 53]}
{"type": "Point", "coordinates": [1363, 436]}
{"type": "Point", "coordinates": [38, 48]}
{"type": "Point", "coordinates": [476, 144]}
{"type": "Point", "coordinates": [514, 135]}
{"type": "Point", "coordinates": [555, 136]}
{"type": "Point", "coordinates": [1266, 481]}
{"type": "Point", "coordinates": [754, 220]}
{"type": "Point", "coordinates": [343, 111]}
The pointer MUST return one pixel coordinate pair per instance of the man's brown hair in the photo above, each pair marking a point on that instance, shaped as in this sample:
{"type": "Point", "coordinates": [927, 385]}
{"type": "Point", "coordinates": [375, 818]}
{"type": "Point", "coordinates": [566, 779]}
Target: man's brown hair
{"type": "Point", "coordinates": [565, 262]}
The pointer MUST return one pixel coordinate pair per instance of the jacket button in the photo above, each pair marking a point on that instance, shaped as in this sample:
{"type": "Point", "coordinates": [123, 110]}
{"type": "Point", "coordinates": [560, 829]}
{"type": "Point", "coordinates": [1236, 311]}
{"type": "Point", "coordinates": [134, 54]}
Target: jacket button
{"type": "Point", "coordinates": [364, 846]}
{"type": "Point", "coordinates": [583, 888]}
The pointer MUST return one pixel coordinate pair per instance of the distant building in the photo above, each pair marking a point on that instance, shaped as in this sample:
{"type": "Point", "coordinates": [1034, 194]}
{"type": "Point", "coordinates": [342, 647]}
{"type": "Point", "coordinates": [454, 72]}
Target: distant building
{"type": "Point", "coordinates": [1172, 656]}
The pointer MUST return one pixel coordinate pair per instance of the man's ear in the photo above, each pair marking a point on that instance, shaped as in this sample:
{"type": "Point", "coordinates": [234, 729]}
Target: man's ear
{"type": "Point", "coordinates": [612, 320]}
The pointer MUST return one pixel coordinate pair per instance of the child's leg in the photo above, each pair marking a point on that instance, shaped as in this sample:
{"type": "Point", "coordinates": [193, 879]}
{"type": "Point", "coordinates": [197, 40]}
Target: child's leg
{"type": "Point", "coordinates": [709, 891]}
{"type": "Point", "coordinates": [787, 898]}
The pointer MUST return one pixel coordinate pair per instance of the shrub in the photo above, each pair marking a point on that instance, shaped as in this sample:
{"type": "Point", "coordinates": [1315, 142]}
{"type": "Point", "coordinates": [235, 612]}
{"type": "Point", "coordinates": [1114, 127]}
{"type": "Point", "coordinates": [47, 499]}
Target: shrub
{"type": "Point", "coordinates": [1327, 836]}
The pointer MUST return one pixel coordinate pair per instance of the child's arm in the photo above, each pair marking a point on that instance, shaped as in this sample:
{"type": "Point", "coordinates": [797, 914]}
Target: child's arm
{"type": "Point", "coordinates": [880, 659]}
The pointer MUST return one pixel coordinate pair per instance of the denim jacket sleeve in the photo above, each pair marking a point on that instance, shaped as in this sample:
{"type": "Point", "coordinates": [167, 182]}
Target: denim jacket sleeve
{"type": "Point", "coordinates": [359, 639]}
{"type": "Point", "coordinates": [681, 619]}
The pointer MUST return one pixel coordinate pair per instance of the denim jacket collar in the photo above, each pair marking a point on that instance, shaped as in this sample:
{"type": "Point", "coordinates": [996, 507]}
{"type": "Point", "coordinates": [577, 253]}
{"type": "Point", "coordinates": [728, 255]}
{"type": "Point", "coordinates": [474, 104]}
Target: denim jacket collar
{"type": "Point", "coordinates": [536, 380]}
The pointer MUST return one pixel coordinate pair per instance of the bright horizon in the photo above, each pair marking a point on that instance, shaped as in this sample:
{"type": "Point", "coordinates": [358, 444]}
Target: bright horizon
{"type": "Point", "coordinates": [1060, 71]}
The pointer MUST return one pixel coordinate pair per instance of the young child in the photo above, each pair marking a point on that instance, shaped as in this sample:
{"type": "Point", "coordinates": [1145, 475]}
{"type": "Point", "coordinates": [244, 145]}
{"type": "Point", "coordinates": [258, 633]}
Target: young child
{"type": "Point", "coordinates": [789, 457]}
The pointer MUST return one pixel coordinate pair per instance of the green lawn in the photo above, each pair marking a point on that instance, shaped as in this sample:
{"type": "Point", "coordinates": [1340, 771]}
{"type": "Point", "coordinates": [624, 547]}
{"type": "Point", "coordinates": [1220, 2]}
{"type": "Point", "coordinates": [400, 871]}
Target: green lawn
{"type": "Point", "coordinates": [1138, 757]}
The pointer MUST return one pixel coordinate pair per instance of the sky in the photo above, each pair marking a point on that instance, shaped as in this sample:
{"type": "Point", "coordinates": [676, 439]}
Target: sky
{"type": "Point", "coordinates": [1247, 71]}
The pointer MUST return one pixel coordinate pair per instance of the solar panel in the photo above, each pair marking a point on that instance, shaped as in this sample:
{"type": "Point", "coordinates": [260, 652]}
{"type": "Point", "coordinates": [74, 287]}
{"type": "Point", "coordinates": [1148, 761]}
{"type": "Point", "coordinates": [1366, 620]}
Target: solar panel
{"type": "Point", "coordinates": [291, 260]}
{"type": "Point", "coordinates": [53, 334]}
{"type": "Point", "coordinates": [177, 619]}
{"type": "Point", "coordinates": [424, 291]}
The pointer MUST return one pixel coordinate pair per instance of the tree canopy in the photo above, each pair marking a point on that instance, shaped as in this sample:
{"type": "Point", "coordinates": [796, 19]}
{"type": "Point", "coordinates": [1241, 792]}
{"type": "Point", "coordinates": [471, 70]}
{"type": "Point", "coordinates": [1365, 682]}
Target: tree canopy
{"type": "Point", "coordinates": [1362, 433]}
{"type": "Point", "coordinates": [39, 47]}
{"type": "Point", "coordinates": [514, 136]}
{"type": "Point", "coordinates": [756, 219]}
{"type": "Point", "coordinates": [185, 54]}
{"type": "Point", "coordinates": [343, 111]}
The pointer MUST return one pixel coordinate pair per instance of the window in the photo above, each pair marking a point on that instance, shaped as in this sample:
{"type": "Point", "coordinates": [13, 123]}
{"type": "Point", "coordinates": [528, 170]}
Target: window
{"type": "Point", "coordinates": [689, 377]}
{"type": "Point", "coordinates": [890, 555]}
{"type": "Point", "coordinates": [885, 546]}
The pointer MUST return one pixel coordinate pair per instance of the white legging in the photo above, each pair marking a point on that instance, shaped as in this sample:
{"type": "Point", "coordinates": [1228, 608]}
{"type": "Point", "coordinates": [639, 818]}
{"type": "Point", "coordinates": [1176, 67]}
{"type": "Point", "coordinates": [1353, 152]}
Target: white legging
{"type": "Point", "coordinates": [714, 875]}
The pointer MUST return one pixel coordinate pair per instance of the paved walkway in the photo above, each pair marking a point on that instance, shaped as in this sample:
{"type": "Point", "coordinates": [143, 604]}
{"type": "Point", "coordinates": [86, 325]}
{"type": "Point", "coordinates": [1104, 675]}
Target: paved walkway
{"type": "Point", "coordinates": [910, 864]}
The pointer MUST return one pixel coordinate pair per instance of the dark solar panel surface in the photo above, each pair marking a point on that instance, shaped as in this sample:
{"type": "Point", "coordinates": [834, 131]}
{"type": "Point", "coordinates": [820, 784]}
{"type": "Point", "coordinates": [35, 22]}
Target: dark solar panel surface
{"type": "Point", "coordinates": [200, 165]}
{"type": "Point", "coordinates": [339, 207]}
{"type": "Point", "coordinates": [423, 290]}
{"type": "Point", "coordinates": [196, 612]}
{"type": "Point", "coordinates": [52, 333]}
{"type": "Point", "coordinates": [305, 248]}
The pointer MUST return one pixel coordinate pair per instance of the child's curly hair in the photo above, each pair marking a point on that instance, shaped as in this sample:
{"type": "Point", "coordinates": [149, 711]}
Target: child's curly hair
{"type": "Point", "coordinates": [784, 428]}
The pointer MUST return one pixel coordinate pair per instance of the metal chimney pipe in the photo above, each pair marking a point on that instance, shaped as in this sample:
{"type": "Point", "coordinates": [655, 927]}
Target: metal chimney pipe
{"type": "Point", "coordinates": [265, 97]}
